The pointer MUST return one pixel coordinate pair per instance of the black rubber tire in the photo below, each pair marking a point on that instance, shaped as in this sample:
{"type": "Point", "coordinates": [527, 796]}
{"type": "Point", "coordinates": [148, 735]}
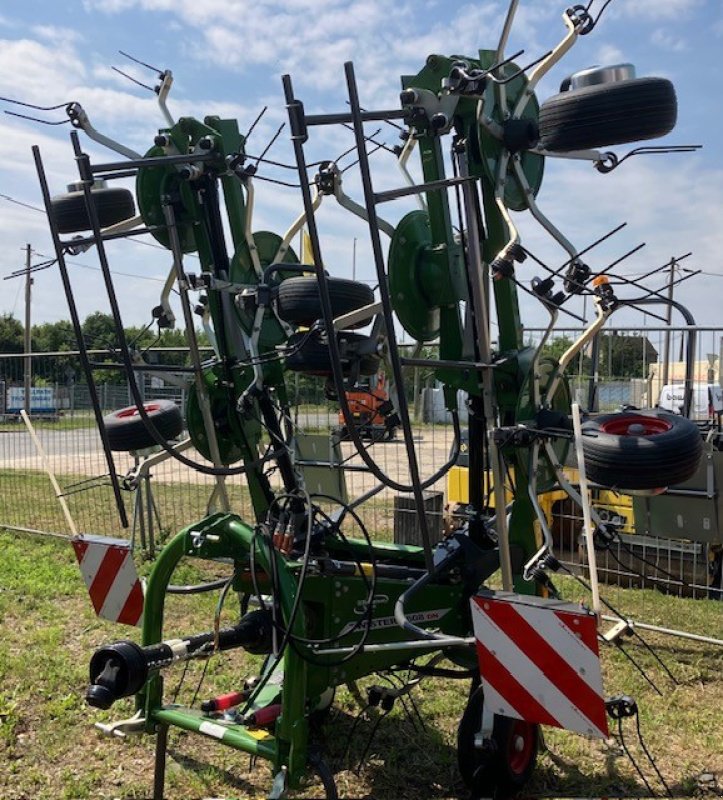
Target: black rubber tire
{"type": "Point", "coordinates": [113, 205]}
{"type": "Point", "coordinates": [127, 431]}
{"type": "Point", "coordinates": [499, 771]}
{"type": "Point", "coordinates": [665, 452]}
{"type": "Point", "coordinates": [299, 302]}
{"type": "Point", "coordinates": [608, 114]}
{"type": "Point", "coordinates": [322, 771]}
{"type": "Point", "coordinates": [314, 358]}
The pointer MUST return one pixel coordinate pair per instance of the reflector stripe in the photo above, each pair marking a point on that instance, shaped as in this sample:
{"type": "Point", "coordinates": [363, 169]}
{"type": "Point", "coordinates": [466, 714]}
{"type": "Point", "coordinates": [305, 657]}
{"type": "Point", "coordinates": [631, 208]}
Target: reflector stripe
{"type": "Point", "coordinates": [562, 638]}
{"type": "Point", "coordinates": [527, 652]}
{"type": "Point", "coordinates": [585, 633]}
{"type": "Point", "coordinates": [120, 587]}
{"type": "Point", "coordinates": [132, 611]}
{"type": "Point", "coordinates": [109, 573]}
{"type": "Point", "coordinates": [105, 576]}
{"type": "Point", "coordinates": [508, 686]}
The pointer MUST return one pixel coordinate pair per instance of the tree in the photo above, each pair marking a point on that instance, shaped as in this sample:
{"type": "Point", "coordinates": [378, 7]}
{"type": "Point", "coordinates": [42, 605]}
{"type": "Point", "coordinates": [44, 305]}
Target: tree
{"type": "Point", "coordinates": [51, 337]}
{"type": "Point", "coordinates": [99, 331]}
{"type": "Point", "coordinates": [12, 338]}
{"type": "Point", "coordinates": [625, 356]}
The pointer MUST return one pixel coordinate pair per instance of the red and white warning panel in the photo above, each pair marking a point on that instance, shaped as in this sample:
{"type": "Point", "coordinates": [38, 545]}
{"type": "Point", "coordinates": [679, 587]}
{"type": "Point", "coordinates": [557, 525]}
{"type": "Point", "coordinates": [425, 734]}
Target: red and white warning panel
{"type": "Point", "coordinates": [539, 661]}
{"type": "Point", "coordinates": [110, 575]}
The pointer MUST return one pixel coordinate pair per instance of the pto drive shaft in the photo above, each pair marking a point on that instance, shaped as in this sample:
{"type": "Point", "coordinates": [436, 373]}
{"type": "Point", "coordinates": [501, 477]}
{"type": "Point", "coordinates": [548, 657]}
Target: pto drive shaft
{"type": "Point", "coordinates": [121, 669]}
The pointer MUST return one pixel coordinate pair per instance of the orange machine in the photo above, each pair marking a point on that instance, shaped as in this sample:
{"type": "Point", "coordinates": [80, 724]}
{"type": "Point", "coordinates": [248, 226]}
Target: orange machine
{"type": "Point", "coordinates": [372, 409]}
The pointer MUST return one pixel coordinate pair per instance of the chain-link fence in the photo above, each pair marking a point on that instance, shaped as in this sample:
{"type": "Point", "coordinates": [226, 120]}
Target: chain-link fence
{"type": "Point", "coordinates": [162, 495]}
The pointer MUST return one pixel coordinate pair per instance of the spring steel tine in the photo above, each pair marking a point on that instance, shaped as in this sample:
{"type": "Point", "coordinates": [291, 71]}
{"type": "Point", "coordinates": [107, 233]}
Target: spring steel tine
{"type": "Point", "coordinates": [524, 288]}
{"type": "Point", "coordinates": [138, 61]}
{"type": "Point", "coordinates": [35, 119]}
{"type": "Point", "coordinates": [271, 143]}
{"type": "Point", "coordinates": [33, 105]}
{"type": "Point", "coordinates": [370, 139]}
{"type": "Point", "coordinates": [133, 80]}
{"type": "Point", "coordinates": [255, 122]}
{"type": "Point", "coordinates": [520, 71]}
{"type": "Point", "coordinates": [587, 249]}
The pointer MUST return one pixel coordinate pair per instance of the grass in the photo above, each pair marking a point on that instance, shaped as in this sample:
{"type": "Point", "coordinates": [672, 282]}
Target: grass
{"type": "Point", "coordinates": [49, 749]}
{"type": "Point", "coordinates": [64, 422]}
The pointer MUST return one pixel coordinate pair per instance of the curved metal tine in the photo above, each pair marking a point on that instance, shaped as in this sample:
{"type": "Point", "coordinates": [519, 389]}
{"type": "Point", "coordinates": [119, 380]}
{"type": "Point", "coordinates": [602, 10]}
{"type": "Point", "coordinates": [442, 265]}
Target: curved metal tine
{"type": "Point", "coordinates": [370, 139]}
{"type": "Point", "coordinates": [255, 122]}
{"type": "Point", "coordinates": [498, 64]}
{"type": "Point", "coordinates": [368, 153]}
{"type": "Point", "coordinates": [33, 105]}
{"type": "Point", "coordinates": [658, 292]}
{"type": "Point", "coordinates": [133, 80]}
{"type": "Point", "coordinates": [520, 71]}
{"type": "Point", "coordinates": [138, 61]}
{"type": "Point", "coordinates": [673, 260]}
{"type": "Point", "coordinates": [659, 149]}
{"type": "Point", "coordinates": [600, 13]}
{"type": "Point", "coordinates": [549, 307]}
{"type": "Point", "coordinates": [271, 143]}
{"type": "Point", "coordinates": [585, 250]}
{"type": "Point", "coordinates": [36, 119]}
{"type": "Point", "coordinates": [583, 286]}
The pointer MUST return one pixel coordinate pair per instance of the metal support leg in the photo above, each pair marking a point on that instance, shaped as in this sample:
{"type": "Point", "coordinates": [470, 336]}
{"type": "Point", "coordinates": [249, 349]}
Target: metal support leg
{"type": "Point", "coordinates": [159, 775]}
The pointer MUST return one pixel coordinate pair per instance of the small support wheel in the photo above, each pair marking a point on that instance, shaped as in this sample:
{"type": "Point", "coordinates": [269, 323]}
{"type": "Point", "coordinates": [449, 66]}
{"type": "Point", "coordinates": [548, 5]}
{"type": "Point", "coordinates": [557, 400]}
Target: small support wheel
{"type": "Point", "coordinates": [127, 430]}
{"type": "Point", "coordinates": [501, 766]}
{"type": "Point", "coordinates": [112, 205]}
{"type": "Point", "coordinates": [607, 114]}
{"type": "Point", "coordinates": [637, 451]}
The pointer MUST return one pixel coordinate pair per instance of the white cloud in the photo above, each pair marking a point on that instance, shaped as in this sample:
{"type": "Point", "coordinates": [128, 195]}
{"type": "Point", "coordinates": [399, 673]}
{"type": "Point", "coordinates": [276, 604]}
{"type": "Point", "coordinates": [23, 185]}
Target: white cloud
{"type": "Point", "coordinates": [607, 53]}
{"type": "Point", "coordinates": [656, 9]}
{"type": "Point", "coordinates": [35, 73]}
{"type": "Point", "coordinates": [668, 41]}
{"type": "Point", "coordinates": [57, 35]}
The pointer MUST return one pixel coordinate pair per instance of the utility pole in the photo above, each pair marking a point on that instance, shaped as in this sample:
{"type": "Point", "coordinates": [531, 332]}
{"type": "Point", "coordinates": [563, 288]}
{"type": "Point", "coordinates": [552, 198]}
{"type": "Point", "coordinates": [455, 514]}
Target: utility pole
{"type": "Point", "coordinates": [668, 319]}
{"type": "Point", "coordinates": [353, 260]}
{"type": "Point", "coordinates": [27, 373]}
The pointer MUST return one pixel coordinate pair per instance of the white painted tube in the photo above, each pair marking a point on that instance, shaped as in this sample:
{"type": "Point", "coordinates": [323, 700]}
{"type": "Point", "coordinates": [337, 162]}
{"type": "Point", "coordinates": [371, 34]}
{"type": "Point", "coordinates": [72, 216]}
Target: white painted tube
{"type": "Point", "coordinates": [51, 474]}
{"type": "Point", "coordinates": [587, 519]}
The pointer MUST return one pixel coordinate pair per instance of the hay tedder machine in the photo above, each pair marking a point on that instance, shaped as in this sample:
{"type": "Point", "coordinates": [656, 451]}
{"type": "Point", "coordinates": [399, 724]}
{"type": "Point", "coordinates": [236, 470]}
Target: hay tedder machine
{"type": "Point", "coordinates": [325, 606]}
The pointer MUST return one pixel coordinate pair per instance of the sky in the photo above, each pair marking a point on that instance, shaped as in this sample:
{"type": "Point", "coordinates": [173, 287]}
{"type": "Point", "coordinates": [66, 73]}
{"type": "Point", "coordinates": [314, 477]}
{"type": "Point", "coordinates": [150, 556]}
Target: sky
{"type": "Point", "coordinates": [227, 58]}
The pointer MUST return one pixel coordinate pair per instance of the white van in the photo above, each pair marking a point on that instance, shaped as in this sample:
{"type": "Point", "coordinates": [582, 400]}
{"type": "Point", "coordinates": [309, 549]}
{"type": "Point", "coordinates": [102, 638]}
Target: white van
{"type": "Point", "coordinates": [707, 401]}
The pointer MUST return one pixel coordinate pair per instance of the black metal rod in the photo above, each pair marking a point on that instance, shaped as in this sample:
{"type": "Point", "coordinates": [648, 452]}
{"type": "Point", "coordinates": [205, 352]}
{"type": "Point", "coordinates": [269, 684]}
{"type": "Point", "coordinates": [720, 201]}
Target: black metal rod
{"type": "Point", "coordinates": [369, 201]}
{"type": "Point", "coordinates": [444, 364]}
{"type": "Point", "coordinates": [84, 170]}
{"type": "Point", "coordinates": [366, 116]}
{"type": "Point", "coordinates": [152, 161]}
{"type": "Point", "coordinates": [106, 237]}
{"type": "Point", "coordinates": [405, 191]}
{"type": "Point", "coordinates": [129, 173]}
{"type": "Point", "coordinates": [298, 138]}
{"type": "Point", "coordinates": [159, 771]}
{"type": "Point", "coordinates": [82, 351]}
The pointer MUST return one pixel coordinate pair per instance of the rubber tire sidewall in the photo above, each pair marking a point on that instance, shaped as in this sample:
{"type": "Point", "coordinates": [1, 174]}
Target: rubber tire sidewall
{"type": "Point", "coordinates": [130, 433]}
{"type": "Point", "coordinates": [608, 114]}
{"type": "Point", "coordinates": [113, 204]}
{"type": "Point", "coordinates": [314, 357]}
{"type": "Point", "coordinates": [299, 299]}
{"type": "Point", "coordinates": [494, 775]}
{"type": "Point", "coordinates": [645, 461]}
